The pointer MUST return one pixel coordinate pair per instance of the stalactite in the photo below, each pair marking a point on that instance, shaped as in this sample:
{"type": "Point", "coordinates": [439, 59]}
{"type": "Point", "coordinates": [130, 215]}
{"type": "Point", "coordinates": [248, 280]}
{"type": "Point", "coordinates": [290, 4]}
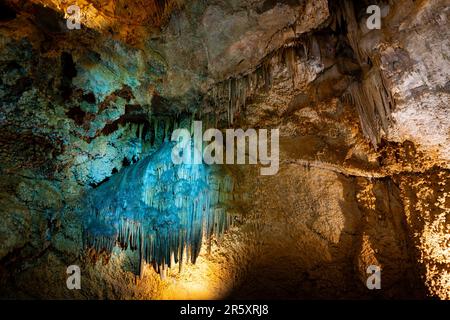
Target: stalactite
{"type": "Point", "coordinates": [231, 95]}
{"type": "Point", "coordinates": [141, 129]}
{"type": "Point", "coordinates": [155, 127]}
{"type": "Point", "coordinates": [229, 102]}
{"type": "Point", "coordinates": [372, 99]}
{"type": "Point", "coordinates": [290, 61]}
{"type": "Point", "coordinates": [345, 17]}
{"type": "Point", "coordinates": [374, 104]}
{"type": "Point", "coordinates": [160, 209]}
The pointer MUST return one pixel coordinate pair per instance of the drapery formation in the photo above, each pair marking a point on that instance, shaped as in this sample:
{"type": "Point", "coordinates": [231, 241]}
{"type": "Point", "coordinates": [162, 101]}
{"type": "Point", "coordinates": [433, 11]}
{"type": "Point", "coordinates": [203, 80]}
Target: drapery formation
{"type": "Point", "coordinates": [160, 209]}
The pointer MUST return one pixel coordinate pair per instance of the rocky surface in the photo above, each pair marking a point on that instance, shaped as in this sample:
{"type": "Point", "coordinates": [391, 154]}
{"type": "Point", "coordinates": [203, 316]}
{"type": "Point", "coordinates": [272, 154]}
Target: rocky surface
{"type": "Point", "coordinates": [364, 147]}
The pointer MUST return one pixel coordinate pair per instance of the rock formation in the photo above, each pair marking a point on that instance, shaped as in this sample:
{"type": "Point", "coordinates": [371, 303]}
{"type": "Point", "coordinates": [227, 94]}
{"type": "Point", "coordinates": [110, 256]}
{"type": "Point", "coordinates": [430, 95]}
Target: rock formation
{"type": "Point", "coordinates": [364, 124]}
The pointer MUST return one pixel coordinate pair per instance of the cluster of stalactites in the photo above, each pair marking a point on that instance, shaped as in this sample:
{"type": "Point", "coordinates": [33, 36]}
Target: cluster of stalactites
{"type": "Point", "coordinates": [150, 134]}
{"type": "Point", "coordinates": [160, 209]}
{"type": "Point", "coordinates": [370, 96]}
{"type": "Point", "coordinates": [232, 93]}
{"type": "Point", "coordinates": [373, 102]}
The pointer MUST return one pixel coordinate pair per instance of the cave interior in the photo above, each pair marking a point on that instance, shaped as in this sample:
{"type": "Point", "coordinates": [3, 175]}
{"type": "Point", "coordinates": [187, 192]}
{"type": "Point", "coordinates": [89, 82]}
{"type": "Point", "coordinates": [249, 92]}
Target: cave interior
{"type": "Point", "coordinates": [360, 124]}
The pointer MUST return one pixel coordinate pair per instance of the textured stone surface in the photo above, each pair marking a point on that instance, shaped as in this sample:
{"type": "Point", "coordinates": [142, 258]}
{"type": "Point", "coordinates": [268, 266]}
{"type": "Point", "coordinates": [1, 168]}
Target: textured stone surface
{"type": "Point", "coordinates": [79, 105]}
{"type": "Point", "coordinates": [417, 66]}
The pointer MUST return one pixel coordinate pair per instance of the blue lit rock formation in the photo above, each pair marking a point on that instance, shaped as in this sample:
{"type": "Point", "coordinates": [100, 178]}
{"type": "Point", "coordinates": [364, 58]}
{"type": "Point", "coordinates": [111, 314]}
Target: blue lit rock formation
{"type": "Point", "coordinates": [161, 209]}
{"type": "Point", "coordinates": [84, 115]}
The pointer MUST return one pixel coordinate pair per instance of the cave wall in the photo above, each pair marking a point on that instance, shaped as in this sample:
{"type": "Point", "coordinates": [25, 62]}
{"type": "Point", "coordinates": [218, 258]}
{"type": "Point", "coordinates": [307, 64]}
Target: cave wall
{"type": "Point", "coordinates": [356, 186]}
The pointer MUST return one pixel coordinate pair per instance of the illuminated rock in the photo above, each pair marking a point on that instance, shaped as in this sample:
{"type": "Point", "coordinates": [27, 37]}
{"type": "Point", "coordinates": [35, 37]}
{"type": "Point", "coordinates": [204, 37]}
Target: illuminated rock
{"type": "Point", "coordinates": [161, 209]}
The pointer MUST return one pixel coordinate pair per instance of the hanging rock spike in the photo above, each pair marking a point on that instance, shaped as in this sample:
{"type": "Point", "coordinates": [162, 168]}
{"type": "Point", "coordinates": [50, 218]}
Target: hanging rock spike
{"type": "Point", "coordinates": [158, 208]}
